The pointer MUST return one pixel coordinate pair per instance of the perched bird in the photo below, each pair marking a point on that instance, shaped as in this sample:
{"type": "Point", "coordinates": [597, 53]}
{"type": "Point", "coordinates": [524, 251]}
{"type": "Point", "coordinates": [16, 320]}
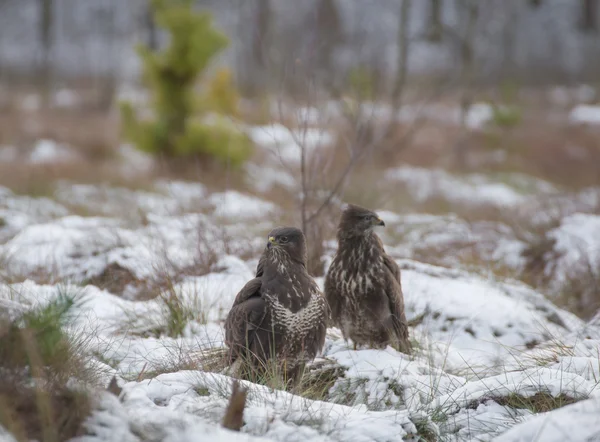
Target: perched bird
{"type": "Point", "coordinates": [279, 316]}
{"type": "Point", "coordinates": [362, 286]}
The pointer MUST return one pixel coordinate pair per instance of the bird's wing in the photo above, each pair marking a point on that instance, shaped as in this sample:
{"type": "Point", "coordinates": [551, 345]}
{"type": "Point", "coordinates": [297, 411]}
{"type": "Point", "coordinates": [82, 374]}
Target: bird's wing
{"type": "Point", "coordinates": [245, 317]}
{"type": "Point", "coordinates": [393, 289]}
{"type": "Point", "coordinates": [392, 266]}
{"type": "Point", "coordinates": [333, 297]}
{"type": "Point", "coordinates": [261, 265]}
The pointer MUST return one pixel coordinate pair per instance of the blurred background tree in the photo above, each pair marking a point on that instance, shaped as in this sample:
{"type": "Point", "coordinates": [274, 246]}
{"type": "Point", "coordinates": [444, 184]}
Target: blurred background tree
{"type": "Point", "coordinates": [178, 127]}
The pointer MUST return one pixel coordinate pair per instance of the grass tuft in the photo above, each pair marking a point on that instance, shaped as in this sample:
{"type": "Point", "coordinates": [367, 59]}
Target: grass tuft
{"type": "Point", "coordinates": [540, 402]}
{"type": "Point", "coordinates": [37, 359]}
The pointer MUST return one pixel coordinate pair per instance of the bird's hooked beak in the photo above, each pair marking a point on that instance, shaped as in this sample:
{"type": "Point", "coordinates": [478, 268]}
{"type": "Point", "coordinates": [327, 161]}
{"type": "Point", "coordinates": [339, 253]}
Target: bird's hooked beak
{"type": "Point", "coordinates": [378, 222]}
{"type": "Point", "coordinates": [271, 242]}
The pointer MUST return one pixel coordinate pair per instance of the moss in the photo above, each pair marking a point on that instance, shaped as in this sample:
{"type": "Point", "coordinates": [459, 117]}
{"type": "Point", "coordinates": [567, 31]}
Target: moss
{"type": "Point", "coordinates": [202, 391]}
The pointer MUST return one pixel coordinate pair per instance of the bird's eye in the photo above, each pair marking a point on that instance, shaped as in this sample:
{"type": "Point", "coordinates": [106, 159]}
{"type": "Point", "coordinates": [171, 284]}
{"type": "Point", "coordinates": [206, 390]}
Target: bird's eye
{"type": "Point", "coordinates": [283, 239]}
{"type": "Point", "coordinates": [368, 217]}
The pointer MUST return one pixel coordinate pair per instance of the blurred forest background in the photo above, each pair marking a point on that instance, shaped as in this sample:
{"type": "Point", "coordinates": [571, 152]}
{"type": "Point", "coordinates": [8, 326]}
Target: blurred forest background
{"type": "Point", "coordinates": [91, 42]}
{"type": "Point", "coordinates": [341, 90]}
{"type": "Point", "coordinates": [81, 72]}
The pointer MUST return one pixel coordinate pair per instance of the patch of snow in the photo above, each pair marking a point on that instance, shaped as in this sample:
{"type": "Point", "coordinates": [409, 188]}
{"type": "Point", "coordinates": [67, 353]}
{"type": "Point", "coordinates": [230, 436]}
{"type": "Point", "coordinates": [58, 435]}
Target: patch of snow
{"type": "Point", "coordinates": [31, 102]}
{"type": "Point", "coordinates": [66, 98]}
{"type": "Point", "coordinates": [481, 322]}
{"type": "Point", "coordinates": [577, 245]}
{"type": "Point", "coordinates": [286, 145]}
{"type": "Point", "coordinates": [79, 248]}
{"type": "Point", "coordinates": [188, 194]}
{"type": "Point", "coordinates": [386, 379]}
{"type": "Point", "coordinates": [48, 151]}
{"type": "Point", "coordinates": [585, 114]}
{"type": "Point", "coordinates": [264, 178]}
{"type": "Point", "coordinates": [173, 400]}
{"type": "Point", "coordinates": [524, 383]}
{"type": "Point", "coordinates": [448, 240]}
{"type": "Point", "coordinates": [576, 422]}
{"type": "Point", "coordinates": [18, 212]}
{"type": "Point", "coordinates": [116, 201]}
{"type": "Point", "coordinates": [482, 422]}
{"type": "Point", "coordinates": [134, 160]}
{"type": "Point", "coordinates": [478, 115]}
{"type": "Point", "coordinates": [238, 206]}
{"type": "Point", "coordinates": [469, 189]}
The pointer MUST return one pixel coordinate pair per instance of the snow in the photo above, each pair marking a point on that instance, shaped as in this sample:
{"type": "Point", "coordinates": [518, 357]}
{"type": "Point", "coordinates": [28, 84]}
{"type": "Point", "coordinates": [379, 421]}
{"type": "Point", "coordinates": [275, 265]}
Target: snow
{"type": "Point", "coordinates": [286, 145]}
{"type": "Point", "coordinates": [585, 114]}
{"type": "Point", "coordinates": [578, 421]}
{"type": "Point", "coordinates": [577, 245]}
{"type": "Point", "coordinates": [482, 339]}
{"type": "Point", "coordinates": [524, 383]}
{"type": "Point", "coordinates": [48, 151]}
{"type": "Point", "coordinates": [471, 189]}
{"type": "Point", "coordinates": [264, 178]}
{"type": "Point", "coordinates": [66, 98]}
{"type": "Point", "coordinates": [447, 239]}
{"type": "Point", "coordinates": [172, 400]}
{"type": "Point", "coordinates": [481, 322]}
{"type": "Point", "coordinates": [236, 205]}
{"type": "Point", "coordinates": [134, 160]}
{"type": "Point", "coordinates": [478, 115]}
{"type": "Point", "coordinates": [175, 198]}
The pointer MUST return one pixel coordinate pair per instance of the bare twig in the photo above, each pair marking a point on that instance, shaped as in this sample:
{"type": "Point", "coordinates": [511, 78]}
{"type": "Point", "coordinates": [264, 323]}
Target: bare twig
{"type": "Point", "coordinates": [234, 414]}
{"type": "Point", "coordinates": [113, 387]}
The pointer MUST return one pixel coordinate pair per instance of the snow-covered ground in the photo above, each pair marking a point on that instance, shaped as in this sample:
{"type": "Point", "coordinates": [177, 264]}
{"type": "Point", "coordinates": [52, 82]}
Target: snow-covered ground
{"type": "Point", "coordinates": [494, 356]}
{"type": "Point", "coordinates": [487, 347]}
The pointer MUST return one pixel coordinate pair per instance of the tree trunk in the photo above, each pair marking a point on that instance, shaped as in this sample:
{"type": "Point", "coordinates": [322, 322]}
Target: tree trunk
{"type": "Point", "coordinates": [468, 57]}
{"type": "Point", "coordinates": [403, 47]}
{"type": "Point", "coordinates": [589, 15]}
{"type": "Point", "coordinates": [150, 25]}
{"type": "Point", "coordinates": [328, 37]}
{"type": "Point", "coordinates": [434, 28]}
{"type": "Point", "coordinates": [46, 23]}
{"type": "Point", "coordinates": [260, 37]}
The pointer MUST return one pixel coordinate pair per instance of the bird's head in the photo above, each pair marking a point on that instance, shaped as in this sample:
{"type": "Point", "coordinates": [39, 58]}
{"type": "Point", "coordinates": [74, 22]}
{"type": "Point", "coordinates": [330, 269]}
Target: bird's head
{"type": "Point", "coordinates": [289, 240]}
{"type": "Point", "coordinates": [357, 221]}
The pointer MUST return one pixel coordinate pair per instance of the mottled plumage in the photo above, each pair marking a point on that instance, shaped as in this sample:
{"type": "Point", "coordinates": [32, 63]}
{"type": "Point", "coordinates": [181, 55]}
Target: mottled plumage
{"type": "Point", "coordinates": [362, 286]}
{"type": "Point", "coordinates": [280, 315]}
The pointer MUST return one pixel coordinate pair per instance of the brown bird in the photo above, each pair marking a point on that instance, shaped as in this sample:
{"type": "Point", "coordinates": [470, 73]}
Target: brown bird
{"type": "Point", "coordinates": [279, 316]}
{"type": "Point", "coordinates": [362, 286]}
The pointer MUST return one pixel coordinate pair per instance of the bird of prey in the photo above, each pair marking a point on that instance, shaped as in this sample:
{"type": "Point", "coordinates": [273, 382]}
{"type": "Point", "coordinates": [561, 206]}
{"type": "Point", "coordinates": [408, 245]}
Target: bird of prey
{"type": "Point", "coordinates": [279, 316]}
{"type": "Point", "coordinates": [362, 286]}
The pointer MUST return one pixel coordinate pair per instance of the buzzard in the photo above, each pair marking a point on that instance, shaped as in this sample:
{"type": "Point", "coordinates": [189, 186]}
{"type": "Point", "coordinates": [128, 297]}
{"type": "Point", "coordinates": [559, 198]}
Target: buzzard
{"type": "Point", "coordinates": [279, 316]}
{"type": "Point", "coordinates": [362, 286]}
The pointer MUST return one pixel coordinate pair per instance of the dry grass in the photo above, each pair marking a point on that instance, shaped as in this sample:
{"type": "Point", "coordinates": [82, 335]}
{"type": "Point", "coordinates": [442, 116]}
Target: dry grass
{"type": "Point", "coordinates": [95, 134]}
{"type": "Point", "coordinates": [557, 152]}
{"type": "Point", "coordinates": [314, 383]}
{"type": "Point", "coordinates": [540, 402]}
